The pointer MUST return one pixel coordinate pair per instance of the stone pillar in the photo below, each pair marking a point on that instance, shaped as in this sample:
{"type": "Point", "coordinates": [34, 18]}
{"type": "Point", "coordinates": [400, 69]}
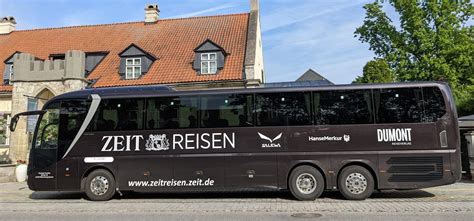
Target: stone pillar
{"type": "Point", "coordinates": [470, 149]}
{"type": "Point", "coordinates": [75, 64]}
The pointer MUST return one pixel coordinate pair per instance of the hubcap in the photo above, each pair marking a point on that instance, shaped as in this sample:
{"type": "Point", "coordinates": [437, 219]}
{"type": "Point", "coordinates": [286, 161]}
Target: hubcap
{"type": "Point", "coordinates": [99, 185]}
{"type": "Point", "coordinates": [356, 183]}
{"type": "Point", "coordinates": [306, 183]}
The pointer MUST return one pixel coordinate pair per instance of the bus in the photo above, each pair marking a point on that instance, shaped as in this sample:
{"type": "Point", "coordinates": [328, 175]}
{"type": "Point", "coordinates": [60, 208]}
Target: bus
{"type": "Point", "coordinates": [348, 138]}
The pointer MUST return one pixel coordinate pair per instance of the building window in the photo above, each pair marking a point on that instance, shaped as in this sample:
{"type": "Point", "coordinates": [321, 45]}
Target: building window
{"type": "Point", "coordinates": [4, 131]}
{"type": "Point", "coordinates": [10, 75]}
{"type": "Point", "coordinates": [133, 68]}
{"type": "Point", "coordinates": [208, 63]}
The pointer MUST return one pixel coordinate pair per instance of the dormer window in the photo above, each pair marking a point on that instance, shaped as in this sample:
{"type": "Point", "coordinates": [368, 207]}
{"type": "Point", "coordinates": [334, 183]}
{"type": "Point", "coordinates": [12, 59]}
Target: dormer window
{"type": "Point", "coordinates": [10, 75]}
{"type": "Point", "coordinates": [208, 63]}
{"type": "Point", "coordinates": [8, 71]}
{"type": "Point", "coordinates": [133, 68]}
{"type": "Point", "coordinates": [134, 62]}
{"type": "Point", "coordinates": [209, 59]}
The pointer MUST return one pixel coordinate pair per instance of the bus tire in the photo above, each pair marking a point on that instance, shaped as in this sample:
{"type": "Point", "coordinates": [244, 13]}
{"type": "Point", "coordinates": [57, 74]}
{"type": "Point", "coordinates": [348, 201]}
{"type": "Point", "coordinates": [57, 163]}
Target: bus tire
{"type": "Point", "coordinates": [306, 183]}
{"type": "Point", "coordinates": [356, 183]}
{"type": "Point", "coordinates": [100, 185]}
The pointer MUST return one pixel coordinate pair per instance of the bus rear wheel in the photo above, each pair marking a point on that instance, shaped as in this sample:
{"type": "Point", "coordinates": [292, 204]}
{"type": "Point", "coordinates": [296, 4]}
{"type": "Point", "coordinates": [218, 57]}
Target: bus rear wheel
{"type": "Point", "coordinates": [100, 185]}
{"type": "Point", "coordinates": [356, 183]}
{"type": "Point", "coordinates": [306, 183]}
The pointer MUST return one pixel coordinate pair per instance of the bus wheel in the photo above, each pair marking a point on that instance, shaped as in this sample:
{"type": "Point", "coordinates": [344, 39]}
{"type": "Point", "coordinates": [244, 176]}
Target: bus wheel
{"type": "Point", "coordinates": [356, 183]}
{"type": "Point", "coordinates": [100, 185]}
{"type": "Point", "coordinates": [306, 183]}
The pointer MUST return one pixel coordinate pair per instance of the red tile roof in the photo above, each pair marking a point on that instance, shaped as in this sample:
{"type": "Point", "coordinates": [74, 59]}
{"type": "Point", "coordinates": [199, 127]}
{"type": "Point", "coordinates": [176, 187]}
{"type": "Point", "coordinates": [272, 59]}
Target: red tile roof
{"type": "Point", "coordinates": [5, 88]}
{"type": "Point", "coordinates": [172, 41]}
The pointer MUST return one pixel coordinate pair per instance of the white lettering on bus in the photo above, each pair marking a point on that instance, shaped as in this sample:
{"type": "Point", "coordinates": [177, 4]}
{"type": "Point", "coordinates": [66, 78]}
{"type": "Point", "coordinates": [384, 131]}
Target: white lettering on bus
{"type": "Point", "coordinates": [180, 142]}
{"type": "Point", "coordinates": [231, 142]}
{"type": "Point", "coordinates": [175, 142]}
{"type": "Point", "coordinates": [189, 140]}
{"type": "Point", "coordinates": [394, 135]}
{"type": "Point", "coordinates": [216, 140]}
{"type": "Point", "coordinates": [104, 148]}
{"type": "Point", "coordinates": [137, 141]}
{"type": "Point", "coordinates": [205, 140]}
{"type": "Point", "coordinates": [118, 145]}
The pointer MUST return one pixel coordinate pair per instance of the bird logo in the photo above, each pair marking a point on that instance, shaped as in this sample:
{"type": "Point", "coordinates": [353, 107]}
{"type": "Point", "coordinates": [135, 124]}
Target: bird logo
{"type": "Point", "coordinates": [269, 139]}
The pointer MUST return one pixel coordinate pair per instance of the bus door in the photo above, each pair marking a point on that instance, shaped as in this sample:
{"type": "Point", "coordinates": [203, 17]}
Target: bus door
{"type": "Point", "coordinates": [43, 154]}
{"type": "Point", "coordinates": [72, 115]}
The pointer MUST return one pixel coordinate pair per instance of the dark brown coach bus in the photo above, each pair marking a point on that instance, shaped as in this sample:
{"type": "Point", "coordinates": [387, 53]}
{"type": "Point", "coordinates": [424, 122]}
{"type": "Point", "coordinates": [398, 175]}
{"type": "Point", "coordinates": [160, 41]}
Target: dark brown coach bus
{"type": "Point", "coordinates": [351, 138]}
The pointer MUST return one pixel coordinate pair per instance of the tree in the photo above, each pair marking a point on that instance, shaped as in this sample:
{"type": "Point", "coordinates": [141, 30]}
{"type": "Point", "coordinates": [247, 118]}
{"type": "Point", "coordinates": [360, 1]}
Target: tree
{"type": "Point", "coordinates": [376, 71]}
{"type": "Point", "coordinates": [434, 41]}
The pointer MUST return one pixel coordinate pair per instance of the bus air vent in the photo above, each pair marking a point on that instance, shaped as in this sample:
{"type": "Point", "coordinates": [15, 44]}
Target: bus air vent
{"type": "Point", "coordinates": [415, 169]}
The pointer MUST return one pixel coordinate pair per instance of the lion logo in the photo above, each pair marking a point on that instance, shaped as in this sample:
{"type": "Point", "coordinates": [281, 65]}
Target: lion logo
{"type": "Point", "coordinates": [157, 142]}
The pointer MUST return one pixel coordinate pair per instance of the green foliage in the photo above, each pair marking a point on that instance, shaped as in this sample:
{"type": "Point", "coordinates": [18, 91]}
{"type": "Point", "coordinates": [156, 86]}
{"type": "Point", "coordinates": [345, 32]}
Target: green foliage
{"type": "Point", "coordinates": [376, 71]}
{"type": "Point", "coordinates": [434, 41]}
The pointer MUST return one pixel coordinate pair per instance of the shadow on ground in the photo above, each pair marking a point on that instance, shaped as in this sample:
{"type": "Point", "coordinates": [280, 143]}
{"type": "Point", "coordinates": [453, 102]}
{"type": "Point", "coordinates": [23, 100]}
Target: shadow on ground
{"type": "Point", "coordinates": [286, 195]}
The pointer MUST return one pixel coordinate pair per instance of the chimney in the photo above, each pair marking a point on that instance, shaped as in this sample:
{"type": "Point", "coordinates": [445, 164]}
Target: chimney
{"type": "Point", "coordinates": [152, 13]}
{"type": "Point", "coordinates": [7, 25]}
{"type": "Point", "coordinates": [254, 5]}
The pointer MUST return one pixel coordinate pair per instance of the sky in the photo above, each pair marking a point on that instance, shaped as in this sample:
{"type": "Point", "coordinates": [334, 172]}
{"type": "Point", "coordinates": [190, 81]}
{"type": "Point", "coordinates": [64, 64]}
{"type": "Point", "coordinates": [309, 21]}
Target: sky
{"type": "Point", "coordinates": [297, 34]}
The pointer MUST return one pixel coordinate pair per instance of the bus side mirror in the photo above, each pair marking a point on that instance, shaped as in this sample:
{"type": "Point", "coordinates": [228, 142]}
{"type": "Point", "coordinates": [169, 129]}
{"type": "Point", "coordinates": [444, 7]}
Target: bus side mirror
{"type": "Point", "coordinates": [13, 122]}
{"type": "Point", "coordinates": [15, 118]}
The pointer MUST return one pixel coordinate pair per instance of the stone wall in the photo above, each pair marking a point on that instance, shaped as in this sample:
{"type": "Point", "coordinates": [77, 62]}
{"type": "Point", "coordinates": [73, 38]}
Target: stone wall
{"type": "Point", "coordinates": [6, 104]}
{"type": "Point", "coordinates": [34, 78]}
{"type": "Point", "coordinates": [27, 69]}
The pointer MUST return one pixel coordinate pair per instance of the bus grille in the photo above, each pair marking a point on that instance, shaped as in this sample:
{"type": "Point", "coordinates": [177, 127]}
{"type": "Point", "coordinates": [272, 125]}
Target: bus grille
{"type": "Point", "coordinates": [415, 169]}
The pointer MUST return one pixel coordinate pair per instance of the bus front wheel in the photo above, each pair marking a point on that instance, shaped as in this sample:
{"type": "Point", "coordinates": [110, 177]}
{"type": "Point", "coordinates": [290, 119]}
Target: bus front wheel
{"type": "Point", "coordinates": [306, 183]}
{"type": "Point", "coordinates": [356, 183]}
{"type": "Point", "coordinates": [100, 185]}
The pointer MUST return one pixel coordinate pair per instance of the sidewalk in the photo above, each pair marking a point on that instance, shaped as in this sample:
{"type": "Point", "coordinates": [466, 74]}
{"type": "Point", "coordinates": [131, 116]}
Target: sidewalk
{"type": "Point", "coordinates": [456, 198]}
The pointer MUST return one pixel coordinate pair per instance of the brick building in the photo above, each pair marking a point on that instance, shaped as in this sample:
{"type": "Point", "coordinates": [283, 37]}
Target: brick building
{"type": "Point", "coordinates": [184, 53]}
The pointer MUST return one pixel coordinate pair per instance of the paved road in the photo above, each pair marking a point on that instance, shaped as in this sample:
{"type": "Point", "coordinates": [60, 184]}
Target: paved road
{"type": "Point", "coordinates": [454, 202]}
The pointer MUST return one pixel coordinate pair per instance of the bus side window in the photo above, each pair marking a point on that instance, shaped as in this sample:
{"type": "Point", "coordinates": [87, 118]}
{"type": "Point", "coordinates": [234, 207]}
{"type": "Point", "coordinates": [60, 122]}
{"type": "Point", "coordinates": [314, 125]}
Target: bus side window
{"type": "Point", "coordinates": [72, 115]}
{"type": "Point", "coordinates": [283, 109]}
{"type": "Point", "coordinates": [398, 105]}
{"type": "Point", "coordinates": [171, 112]}
{"type": "Point", "coordinates": [229, 110]}
{"type": "Point", "coordinates": [433, 103]}
{"type": "Point", "coordinates": [343, 107]}
{"type": "Point", "coordinates": [118, 114]}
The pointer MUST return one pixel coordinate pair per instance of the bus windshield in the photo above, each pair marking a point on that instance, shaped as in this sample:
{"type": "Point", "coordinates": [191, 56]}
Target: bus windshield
{"type": "Point", "coordinates": [47, 133]}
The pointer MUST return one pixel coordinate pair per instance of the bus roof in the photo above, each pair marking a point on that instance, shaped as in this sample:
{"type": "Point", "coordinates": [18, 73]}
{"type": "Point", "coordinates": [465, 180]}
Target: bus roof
{"type": "Point", "coordinates": [151, 91]}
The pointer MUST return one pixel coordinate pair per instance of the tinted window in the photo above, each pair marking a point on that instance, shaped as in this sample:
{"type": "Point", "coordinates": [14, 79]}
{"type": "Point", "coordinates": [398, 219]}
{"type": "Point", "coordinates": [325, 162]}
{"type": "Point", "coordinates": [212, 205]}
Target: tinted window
{"type": "Point", "coordinates": [282, 109]}
{"type": "Point", "coordinates": [118, 114]}
{"type": "Point", "coordinates": [230, 110]}
{"type": "Point", "coordinates": [343, 107]}
{"type": "Point", "coordinates": [171, 112]}
{"type": "Point", "coordinates": [72, 114]}
{"type": "Point", "coordinates": [398, 105]}
{"type": "Point", "coordinates": [433, 103]}
{"type": "Point", "coordinates": [48, 128]}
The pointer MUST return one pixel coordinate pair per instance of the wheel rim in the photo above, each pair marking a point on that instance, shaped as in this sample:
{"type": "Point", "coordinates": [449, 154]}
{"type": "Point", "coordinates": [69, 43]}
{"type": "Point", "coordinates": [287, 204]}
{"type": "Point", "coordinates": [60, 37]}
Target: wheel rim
{"type": "Point", "coordinates": [306, 183]}
{"type": "Point", "coordinates": [99, 185]}
{"type": "Point", "coordinates": [356, 183]}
